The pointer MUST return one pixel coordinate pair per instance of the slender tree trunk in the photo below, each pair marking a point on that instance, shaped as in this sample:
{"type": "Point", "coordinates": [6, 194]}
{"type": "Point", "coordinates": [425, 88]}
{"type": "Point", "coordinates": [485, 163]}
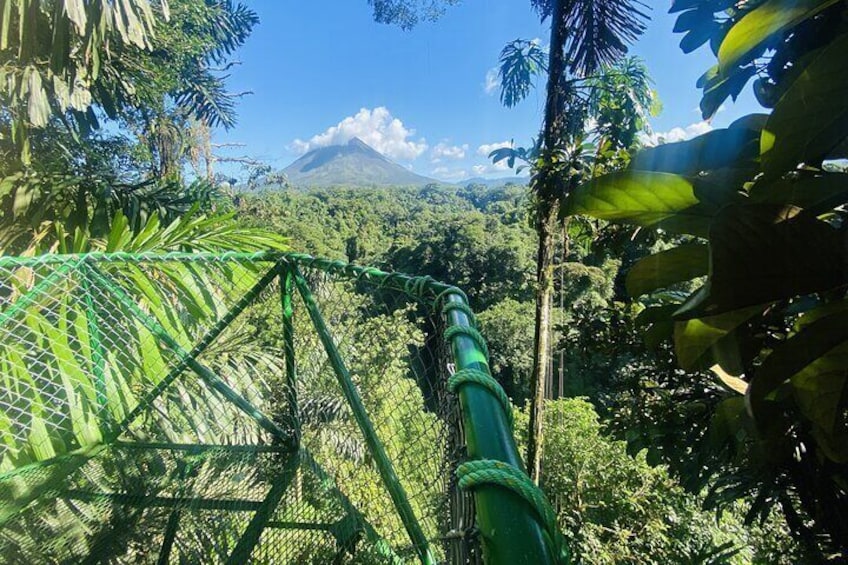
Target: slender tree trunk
{"type": "Point", "coordinates": [548, 188]}
{"type": "Point", "coordinates": [546, 228]}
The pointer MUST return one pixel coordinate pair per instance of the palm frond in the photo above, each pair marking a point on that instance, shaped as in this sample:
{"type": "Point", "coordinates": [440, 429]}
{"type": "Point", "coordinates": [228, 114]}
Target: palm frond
{"type": "Point", "coordinates": [521, 61]}
{"type": "Point", "coordinates": [230, 27]}
{"type": "Point", "coordinates": [600, 30]}
{"type": "Point", "coordinates": [597, 31]}
{"type": "Point", "coordinates": [205, 97]}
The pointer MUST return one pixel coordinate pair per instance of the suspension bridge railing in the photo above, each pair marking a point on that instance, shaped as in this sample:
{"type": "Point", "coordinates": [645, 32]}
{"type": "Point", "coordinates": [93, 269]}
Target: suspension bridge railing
{"type": "Point", "coordinates": [252, 407]}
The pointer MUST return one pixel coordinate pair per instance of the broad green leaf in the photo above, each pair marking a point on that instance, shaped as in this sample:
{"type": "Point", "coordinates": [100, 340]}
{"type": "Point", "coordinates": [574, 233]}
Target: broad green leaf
{"type": "Point", "coordinates": [663, 269]}
{"type": "Point", "coordinates": [818, 348]}
{"type": "Point", "coordinates": [764, 253]}
{"type": "Point", "coordinates": [746, 39]}
{"type": "Point", "coordinates": [819, 395]}
{"type": "Point", "coordinates": [816, 194]}
{"type": "Point", "coordinates": [37, 104]}
{"type": "Point", "coordinates": [811, 119]}
{"type": "Point", "coordinates": [720, 87]}
{"type": "Point", "coordinates": [658, 324]}
{"type": "Point", "coordinates": [659, 200]}
{"type": "Point", "coordinates": [818, 313]}
{"type": "Point", "coordinates": [696, 337]}
{"type": "Point", "coordinates": [25, 195]}
{"type": "Point", "coordinates": [39, 439]}
{"type": "Point", "coordinates": [721, 148]}
{"type": "Point", "coordinates": [729, 417]}
{"type": "Point", "coordinates": [76, 14]}
{"type": "Point", "coordinates": [700, 32]}
{"type": "Point", "coordinates": [5, 24]}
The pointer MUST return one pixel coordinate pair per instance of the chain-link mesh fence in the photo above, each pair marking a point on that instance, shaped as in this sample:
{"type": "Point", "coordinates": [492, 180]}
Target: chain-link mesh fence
{"type": "Point", "coordinates": [235, 408]}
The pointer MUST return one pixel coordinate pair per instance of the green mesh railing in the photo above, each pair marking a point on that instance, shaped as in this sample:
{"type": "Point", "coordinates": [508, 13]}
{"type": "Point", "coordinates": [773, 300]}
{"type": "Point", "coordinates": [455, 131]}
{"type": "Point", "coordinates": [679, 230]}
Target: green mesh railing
{"type": "Point", "coordinates": [264, 408]}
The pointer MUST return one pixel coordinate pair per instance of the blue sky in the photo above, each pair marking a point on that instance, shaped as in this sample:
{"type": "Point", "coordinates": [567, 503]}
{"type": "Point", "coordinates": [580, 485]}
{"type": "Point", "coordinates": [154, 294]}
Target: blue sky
{"type": "Point", "coordinates": [322, 71]}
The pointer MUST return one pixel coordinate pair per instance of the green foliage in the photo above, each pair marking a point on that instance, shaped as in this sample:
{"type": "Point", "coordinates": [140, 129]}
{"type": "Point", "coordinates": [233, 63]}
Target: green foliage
{"type": "Point", "coordinates": [473, 237]}
{"type": "Point", "coordinates": [148, 69]}
{"type": "Point", "coordinates": [615, 508]}
{"type": "Point", "coordinates": [408, 13]}
{"type": "Point", "coordinates": [597, 32]}
{"type": "Point", "coordinates": [508, 327]}
{"type": "Point", "coordinates": [59, 51]}
{"type": "Point", "coordinates": [765, 320]}
{"type": "Point", "coordinates": [741, 35]}
{"type": "Point", "coordinates": [521, 61]}
{"type": "Point", "coordinates": [621, 101]}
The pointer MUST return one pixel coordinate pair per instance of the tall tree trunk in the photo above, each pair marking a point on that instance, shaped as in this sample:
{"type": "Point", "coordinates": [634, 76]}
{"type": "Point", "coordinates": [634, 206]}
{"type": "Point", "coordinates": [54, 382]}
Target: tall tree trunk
{"type": "Point", "coordinates": [547, 190]}
{"type": "Point", "coordinates": [546, 228]}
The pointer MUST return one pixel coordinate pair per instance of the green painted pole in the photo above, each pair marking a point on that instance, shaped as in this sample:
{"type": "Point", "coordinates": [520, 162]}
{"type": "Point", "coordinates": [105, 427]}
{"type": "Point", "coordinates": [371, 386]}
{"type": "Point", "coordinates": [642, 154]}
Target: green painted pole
{"type": "Point", "coordinates": [244, 548]}
{"type": "Point", "coordinates": [209, 377]}
{"type": "Point", "coordinates": [144, 501]}
{"type": "Point", "coordinates": [510, 532]}
{"type": "Point", "coordinates": [286, 275]}
{"type": "Point", "coordinates": [384, 465]}
{"type": "Point", "coordinates": [169, 537]}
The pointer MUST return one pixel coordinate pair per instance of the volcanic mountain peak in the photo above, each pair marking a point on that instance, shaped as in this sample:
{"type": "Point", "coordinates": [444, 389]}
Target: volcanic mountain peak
{"type": "Point", "coordinates": [353, 164]}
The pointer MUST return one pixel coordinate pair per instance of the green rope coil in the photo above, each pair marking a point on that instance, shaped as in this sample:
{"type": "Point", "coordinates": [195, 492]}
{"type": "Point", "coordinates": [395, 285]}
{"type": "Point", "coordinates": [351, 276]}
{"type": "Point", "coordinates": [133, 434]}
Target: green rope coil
{"type": "Point", "coordinates": [447, 292]}
{"type": "Point", "coordinates": [462, 307]}
{"type": "Point", "coordinates": [474, 376]}
{"type": "Point", "coordinates": [491, 472]}
{"type": "Point", "coordinates": [468, 332]}
{"type": "Point", "coordinates": [415, 286]}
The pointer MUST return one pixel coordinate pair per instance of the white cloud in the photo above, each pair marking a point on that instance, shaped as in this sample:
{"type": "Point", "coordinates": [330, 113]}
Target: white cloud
{"type": "Point", "coordinates": [377, 127]}
{"type": "Point", "coordinates": [450, 175]}
{"type": "Point", "coordinates": [677, 134]}
{"type": "Point", "coordinates": [491, 168]}
{"type": "Point", "coordinates": [443, 150]}
{"type": "Point", "coordinates": [491, 84]}
{"type": "Point", "coordinates": [487, 148]}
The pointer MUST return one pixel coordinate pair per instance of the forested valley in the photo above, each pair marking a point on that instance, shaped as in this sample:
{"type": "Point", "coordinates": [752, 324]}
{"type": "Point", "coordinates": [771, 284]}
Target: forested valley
{"type": "Point", "coordinates": [619, 406]}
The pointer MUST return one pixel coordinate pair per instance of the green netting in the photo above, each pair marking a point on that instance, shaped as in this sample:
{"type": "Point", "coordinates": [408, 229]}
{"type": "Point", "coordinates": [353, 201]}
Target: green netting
{"type": "Point", "coordinates": [167, 409]}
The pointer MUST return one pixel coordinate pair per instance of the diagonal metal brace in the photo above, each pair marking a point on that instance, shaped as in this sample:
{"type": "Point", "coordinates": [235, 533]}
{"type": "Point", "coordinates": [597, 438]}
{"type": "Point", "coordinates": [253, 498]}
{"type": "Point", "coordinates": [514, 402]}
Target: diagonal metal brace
{"type": "Point", "coordinates": [206, 374]}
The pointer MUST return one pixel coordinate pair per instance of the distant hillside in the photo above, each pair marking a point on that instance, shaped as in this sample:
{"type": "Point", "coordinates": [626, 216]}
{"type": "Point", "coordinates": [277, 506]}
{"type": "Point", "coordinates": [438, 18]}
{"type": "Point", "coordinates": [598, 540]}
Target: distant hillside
{"type": "Point", "coordinates": [353, 164]}
{"type": "Point", "coordinates": [494, 183]}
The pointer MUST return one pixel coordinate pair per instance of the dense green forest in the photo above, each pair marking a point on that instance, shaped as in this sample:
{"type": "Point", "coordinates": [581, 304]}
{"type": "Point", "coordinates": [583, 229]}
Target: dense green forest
{"type": "Point", "coordinates": [614, 386]}
{"type": "Point", "coordinates": [669, 321]}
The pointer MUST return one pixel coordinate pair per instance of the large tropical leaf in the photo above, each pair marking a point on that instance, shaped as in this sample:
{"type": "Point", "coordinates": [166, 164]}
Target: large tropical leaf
{"type": "Point", "coordinates": [764, 253]}
{"type": "Point", "coordinates": [814, 362]}
{"type": "Point", "coordinates": [678, 264]}
{"type": "Point", "coordinates": [736, 146]}
{"type": "Point", "coordinates": [661, 200]}
{"type": "Point", "coordinates": [695, 338]}
{"type": "Point", "coordinates": [815, 193]}
{"type": "Point", "coordinates": [811, 119]}
{"type": "Point", "coordinates": [748, 38]}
